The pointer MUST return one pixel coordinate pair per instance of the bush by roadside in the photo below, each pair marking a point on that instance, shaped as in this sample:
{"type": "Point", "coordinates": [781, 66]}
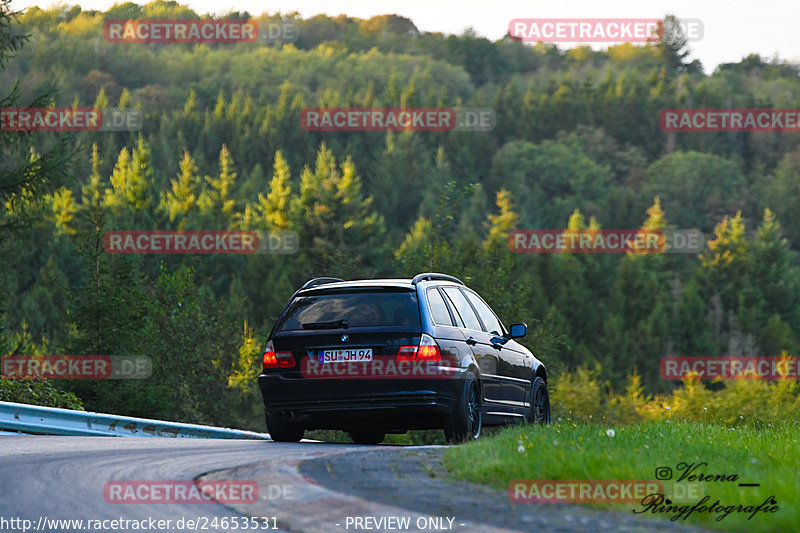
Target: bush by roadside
{"type": "Point", "coordinates": [36, 392]}
{"type": "Point", "coordinates": [582, 397]}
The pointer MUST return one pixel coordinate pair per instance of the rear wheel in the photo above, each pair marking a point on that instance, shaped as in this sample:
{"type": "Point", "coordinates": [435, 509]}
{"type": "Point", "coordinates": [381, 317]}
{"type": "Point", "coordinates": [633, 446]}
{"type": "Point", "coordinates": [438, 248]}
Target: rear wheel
{"type": "Point", "coordinates": [283, 431]}
{"type": "Point", "coordinates": [367, 436]}
{"type": "Point", "coordinates": [539, 412]}
{"type": "Point", "coordinates": [464, 424]}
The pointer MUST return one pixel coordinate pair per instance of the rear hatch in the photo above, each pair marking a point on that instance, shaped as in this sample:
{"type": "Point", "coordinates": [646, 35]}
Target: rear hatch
{"type": "Point", "coordinates": [338, 332]}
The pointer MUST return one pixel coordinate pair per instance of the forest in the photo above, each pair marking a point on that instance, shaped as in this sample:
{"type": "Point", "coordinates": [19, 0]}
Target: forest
{"type": "Point", "coordinates": [577, 144]}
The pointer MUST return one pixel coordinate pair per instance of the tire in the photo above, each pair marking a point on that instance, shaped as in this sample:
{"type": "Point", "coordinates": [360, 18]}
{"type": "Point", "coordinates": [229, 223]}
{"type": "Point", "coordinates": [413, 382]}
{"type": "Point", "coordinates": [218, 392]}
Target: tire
{"type": "Point", "coordinates": [367, 436]}
{"type": "Point", "coordinates": [282, 431]}
{"type": "Point", "coordinates": [464, 424]}
{"type": "Point", "coordinates": [539, 412]}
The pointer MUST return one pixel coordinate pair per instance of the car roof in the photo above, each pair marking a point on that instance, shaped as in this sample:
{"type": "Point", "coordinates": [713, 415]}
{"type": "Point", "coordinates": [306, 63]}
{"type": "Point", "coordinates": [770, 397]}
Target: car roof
{"type": "Point", "coordinates": [371, 283]}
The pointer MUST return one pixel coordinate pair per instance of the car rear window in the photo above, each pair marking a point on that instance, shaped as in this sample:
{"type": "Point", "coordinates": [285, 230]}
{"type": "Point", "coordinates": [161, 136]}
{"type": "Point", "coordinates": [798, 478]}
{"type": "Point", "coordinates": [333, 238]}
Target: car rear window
{"type": "Point", "coordinates": [441, 317]}
{"type": "Point", "coordinates": [363, 308]}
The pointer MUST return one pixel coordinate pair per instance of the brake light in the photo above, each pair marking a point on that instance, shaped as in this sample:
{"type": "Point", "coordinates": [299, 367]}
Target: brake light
{"type": "Point", "coordinates": [285, 359]}
{"type": "Point", "coordinates": [273, 359]}
{"type": "Point", "coordinates": [270, 360]}
{"type": "Point", "coordinates": [427, 351]}
{"type": "Point", "coordinates": [406, 353]}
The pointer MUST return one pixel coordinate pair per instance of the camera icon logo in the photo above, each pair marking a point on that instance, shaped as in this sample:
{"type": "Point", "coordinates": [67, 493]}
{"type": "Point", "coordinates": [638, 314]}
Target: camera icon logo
{"type": "Point", "coordinates": [663, 473]}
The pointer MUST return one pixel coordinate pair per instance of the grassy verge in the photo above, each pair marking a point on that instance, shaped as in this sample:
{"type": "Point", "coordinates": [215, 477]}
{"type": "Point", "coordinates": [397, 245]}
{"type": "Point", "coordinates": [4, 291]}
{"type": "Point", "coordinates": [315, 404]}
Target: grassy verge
{"type": "Point", "coordinates": [769, 456]}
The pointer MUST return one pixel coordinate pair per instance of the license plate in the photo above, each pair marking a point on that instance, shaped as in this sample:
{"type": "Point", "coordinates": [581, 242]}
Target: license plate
{"type": "Point", "coordinates": [345, 355]}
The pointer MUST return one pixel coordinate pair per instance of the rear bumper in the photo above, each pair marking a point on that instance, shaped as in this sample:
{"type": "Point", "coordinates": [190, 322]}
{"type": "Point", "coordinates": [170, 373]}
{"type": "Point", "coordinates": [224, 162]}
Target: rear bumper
{"type": "Point", "coordinates": [392, 404]}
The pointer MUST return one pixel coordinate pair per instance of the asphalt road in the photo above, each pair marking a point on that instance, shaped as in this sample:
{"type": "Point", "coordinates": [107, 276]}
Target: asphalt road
{"type": "Point", "coordinates": [309, 486]}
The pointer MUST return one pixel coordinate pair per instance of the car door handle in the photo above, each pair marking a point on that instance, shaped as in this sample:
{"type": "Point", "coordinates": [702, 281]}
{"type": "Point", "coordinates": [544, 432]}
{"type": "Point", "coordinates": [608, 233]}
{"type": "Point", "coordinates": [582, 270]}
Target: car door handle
{"type": "Point", "coordinates": [471, 341]}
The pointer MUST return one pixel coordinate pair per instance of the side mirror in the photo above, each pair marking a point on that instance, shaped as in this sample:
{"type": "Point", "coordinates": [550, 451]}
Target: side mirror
{"type": "Point", "coordinates": [518, 330]}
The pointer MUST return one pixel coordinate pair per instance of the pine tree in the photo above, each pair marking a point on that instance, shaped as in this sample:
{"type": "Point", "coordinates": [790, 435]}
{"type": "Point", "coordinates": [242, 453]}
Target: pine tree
{"type": "Point", "coordinates": [277, 203]}
{"type": "Point", "coordinates": [101, 102]}
{"type": "Point", "coordinates": [182, 197]}
{"type": "Point", "coordinates": [139, 191]}
{"type": "Point", "coordinates": [131, 180]}
{"type": "Point", "coordinates": [64, 208]}
{"type": "Point", "coordinates": [124, 99]}
{"type": "Point", "coordinates": [725, 261]}
{"type": "Point", "coordinates": [775, 277]}
{"type": "Point", "coordinates": [774, 269]}
{"type": "Point", "coordinates": [336, 218]}
{"type": "Point", "coordinates": [116, 197]}
{"type": "Point", "coordinates": [691, 330]}
{"type": "Point", "coordinates": [502, 223]}
{"type": "Point", "coordinates": [93, 192]}
{"type": "Point", "coordinates": [217, 200]}
{"type": "Point", "coordinates": [654, 225]}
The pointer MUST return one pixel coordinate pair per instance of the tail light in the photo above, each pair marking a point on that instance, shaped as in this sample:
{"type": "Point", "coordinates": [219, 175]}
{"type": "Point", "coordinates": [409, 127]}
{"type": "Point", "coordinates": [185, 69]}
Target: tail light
{"type": "Point", "coordinates": [427, 351]}
{"type": "Point", "coordinates": [273, 359]}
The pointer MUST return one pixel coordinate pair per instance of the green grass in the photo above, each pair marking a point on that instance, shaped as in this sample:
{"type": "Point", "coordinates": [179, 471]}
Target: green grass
{"type": "Point", "coordinates": [769, 456]}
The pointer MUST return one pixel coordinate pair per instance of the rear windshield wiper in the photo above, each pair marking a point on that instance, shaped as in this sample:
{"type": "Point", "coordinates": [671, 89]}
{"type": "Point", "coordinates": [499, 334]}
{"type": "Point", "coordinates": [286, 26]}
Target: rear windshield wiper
{"type": "Point", "coordinates": [326, 325]}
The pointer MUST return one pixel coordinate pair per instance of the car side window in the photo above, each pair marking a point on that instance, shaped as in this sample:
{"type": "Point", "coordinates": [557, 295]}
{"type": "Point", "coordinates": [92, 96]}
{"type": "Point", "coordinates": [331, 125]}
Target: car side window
{"type": "Point", "coordinates": [439, 312]}
{"type": "Point", "coordinates": [485, 312]}
{"type": "Point", "coordinates": [463, 308]}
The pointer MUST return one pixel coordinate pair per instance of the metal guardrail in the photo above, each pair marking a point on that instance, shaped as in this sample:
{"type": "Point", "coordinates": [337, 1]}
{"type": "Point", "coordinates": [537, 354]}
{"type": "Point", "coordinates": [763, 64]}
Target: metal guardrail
{"type": "Point", "coordinates": [53, 421]}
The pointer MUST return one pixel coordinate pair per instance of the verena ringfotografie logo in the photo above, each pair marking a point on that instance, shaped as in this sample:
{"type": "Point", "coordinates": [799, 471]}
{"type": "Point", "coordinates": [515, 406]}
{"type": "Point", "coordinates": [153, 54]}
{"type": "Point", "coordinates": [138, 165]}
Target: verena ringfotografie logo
{"type": "Point", "coordinates": [598, 30]}
{"type": "Point", "coordinates": [69, 119]}
{"type": "Point", "coordinates": [605, 241]}
{"type": "Point", "coordinates": [705, 120]}
{"type": "Point", "coordinates": [730, 368]}
{"type": "Point", "coordinates": [200, 242]}
{"type": "Point", "coordinates": [76, 367]}
{"type": "Point", "coordinates": [180, 492]}
{"type": "Point", "coordinates": [397, 119]}
{"type": "Point", "coordinates": [181, 31]}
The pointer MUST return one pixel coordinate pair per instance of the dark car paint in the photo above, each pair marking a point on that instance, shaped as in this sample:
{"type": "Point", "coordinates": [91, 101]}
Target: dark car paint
{"type": "Point", "coordinates": [505, 372]}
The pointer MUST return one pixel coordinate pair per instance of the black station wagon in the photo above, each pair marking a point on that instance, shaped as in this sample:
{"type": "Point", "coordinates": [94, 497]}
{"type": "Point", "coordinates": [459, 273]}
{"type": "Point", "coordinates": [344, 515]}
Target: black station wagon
{"type": "Point", "coordinates": [380, 356]}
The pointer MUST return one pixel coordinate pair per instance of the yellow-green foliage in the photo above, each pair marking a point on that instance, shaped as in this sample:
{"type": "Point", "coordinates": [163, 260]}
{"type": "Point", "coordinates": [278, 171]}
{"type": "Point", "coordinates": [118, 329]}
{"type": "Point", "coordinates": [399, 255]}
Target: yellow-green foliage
{"type": "Point", "coordinates": [580, 396]}
{"type": "Point", "coordinates": [247, 366]}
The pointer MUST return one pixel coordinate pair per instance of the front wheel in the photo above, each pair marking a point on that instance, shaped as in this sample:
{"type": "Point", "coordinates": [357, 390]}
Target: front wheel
{"type": "Point", "coordinates": [464, 424]}
{"type": "Point", "coordinates": [282, 431]}
{"type": "Point", "coordinates": [539, 412]}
